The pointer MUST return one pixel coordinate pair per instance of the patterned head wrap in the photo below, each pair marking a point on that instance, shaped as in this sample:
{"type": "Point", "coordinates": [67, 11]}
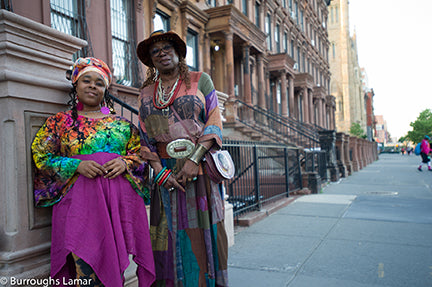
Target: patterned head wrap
{"type": "Point", "coordinates": [84, 65]}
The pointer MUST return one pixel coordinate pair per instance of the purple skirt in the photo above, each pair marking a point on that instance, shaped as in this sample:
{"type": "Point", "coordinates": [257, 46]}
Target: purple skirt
{"type": "Point", "coordinates": [101, 221]}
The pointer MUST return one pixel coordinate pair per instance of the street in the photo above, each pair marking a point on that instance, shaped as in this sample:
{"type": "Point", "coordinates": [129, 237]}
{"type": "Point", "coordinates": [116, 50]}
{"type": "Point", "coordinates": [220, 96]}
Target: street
{"type": "Point", "coordinates": [373, 228]}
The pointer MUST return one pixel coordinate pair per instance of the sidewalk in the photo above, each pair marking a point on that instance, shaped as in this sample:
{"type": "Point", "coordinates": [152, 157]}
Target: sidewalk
{"type": "Point", "coordinates": [372, 229]}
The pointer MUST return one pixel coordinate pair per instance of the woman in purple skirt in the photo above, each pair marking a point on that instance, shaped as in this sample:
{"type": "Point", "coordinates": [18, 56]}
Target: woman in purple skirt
{"type": "Point", "coordinates": [89, 169]}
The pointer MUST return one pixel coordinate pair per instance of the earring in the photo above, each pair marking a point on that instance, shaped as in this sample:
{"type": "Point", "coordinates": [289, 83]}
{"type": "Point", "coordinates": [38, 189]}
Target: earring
{"type": "Point", "coordinates": [79, 106]}
{"type": "Point", "coordinates": [104, 110]}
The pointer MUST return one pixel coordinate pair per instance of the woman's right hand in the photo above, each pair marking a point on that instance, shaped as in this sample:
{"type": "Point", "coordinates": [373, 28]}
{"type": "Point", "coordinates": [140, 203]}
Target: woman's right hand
{"type": "Point", "coordinates": [91, 169]}
{"type": "Point", "coordinates": [172, 182]}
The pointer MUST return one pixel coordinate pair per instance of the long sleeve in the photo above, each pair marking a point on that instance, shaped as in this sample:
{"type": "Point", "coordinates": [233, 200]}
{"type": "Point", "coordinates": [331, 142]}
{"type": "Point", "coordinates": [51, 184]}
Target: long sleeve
{"type": "Point", "coordinates": [53, 172]}
{"type": "Point", "coordinates": [213, 120]}
{"type": "Point", "coordinates": [137, 169]}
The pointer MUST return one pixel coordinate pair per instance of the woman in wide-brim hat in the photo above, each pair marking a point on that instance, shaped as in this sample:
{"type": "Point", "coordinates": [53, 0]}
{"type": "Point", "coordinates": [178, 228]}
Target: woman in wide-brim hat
{"type": "Point", "coordinates": [180, 121]}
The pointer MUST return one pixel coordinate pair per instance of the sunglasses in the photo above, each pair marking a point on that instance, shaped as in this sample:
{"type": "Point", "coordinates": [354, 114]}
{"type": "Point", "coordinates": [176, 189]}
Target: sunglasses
{"type": "Point", "coordinates": [156, 51]}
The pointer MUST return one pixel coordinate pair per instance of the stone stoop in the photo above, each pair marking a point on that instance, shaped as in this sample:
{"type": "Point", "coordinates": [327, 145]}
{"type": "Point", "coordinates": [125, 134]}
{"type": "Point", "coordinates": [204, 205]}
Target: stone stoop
{"type": "Point", "coordinates": [252, 217]}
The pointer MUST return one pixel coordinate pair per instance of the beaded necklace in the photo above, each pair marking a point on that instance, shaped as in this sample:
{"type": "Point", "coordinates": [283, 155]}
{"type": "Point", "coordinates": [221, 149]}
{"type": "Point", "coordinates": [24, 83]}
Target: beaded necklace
{"type": "Point", "coordinates": [162, 99]}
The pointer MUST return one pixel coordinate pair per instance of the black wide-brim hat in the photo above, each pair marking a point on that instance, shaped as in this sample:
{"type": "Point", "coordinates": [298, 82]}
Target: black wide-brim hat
{"type": "Point", "coordinates": [143, 48]}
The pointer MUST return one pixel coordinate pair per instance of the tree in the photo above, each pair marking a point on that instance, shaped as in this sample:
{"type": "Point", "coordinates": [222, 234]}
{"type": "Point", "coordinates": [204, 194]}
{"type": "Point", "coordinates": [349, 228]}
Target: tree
{"type": "Point", "coordinates": [357, 131]}
{"type": "Point", "coordinates": [421, 126]}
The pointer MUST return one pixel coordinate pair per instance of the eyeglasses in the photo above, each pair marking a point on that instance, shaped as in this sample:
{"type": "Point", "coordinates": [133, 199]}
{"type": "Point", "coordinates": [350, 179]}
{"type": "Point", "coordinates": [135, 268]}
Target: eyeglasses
{"type": "Point", "coordinates": [155, 52]}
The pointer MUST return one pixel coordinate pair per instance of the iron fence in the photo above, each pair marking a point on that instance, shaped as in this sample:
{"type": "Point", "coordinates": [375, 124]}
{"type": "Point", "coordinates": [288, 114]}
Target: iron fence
{"type": "Point", "coordinates": [316, 161]}
{"type": "Point", "coordinates": [276, 127]}
{"type": "Point", "coordinates": [264, 172]}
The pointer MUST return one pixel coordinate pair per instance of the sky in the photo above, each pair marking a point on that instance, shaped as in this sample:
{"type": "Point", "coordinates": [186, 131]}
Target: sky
{"type": "Point", "coordinates": [394, 45]}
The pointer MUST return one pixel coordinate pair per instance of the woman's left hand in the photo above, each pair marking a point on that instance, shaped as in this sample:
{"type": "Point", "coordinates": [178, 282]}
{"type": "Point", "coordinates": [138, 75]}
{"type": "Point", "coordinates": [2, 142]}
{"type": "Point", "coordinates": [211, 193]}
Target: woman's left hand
{"type": "Point", "coordinates": [188, 173]}
{"type": "Point", "coordinates": [115, 167]}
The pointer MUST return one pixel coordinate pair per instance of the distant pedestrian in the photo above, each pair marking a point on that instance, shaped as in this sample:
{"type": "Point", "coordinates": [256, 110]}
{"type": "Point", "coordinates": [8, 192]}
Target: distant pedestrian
{"type": "Point", "coordinates": [424, 153]}
{"type": "Point", "coordinates": [409, 150]}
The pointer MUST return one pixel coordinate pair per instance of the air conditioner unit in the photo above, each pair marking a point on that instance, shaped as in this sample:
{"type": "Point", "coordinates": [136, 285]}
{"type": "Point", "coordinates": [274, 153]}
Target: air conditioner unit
{"type": "Point", "coordinates": [295, 67]}
{"type": "Point", "coordinates": [313, 42]}
{"type": "Point", "coordinates": [293, 15]}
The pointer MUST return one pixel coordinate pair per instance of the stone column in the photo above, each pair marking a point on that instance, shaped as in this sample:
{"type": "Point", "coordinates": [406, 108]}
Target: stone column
{"type": "Point", "coordinates": [354, 153]}
{"type": "Point", "coordinates": [33, 86]}
{"type": "Point", "coordinates": [305, 105]}
{"type": "Point", "coordinates": [323, 113]}
{"type": "Point", "coordinates": [246, 75]}
{"type": "Point", "coordinates": [311, 107]}
{"type": "Point", "coordinates": [230, 105]}
{"type": "Point", "coordinates": [284, 96]}
{"type": "Point", "coordinates": [340, 144]}
{"type": "Point", "coordinates": [328, 142]}
{"type": "Point", "coordinates": [360, 153]}
{"type": "Point", "coordinates": [261, 82]}
{"type": "Point", "coordinates": [229, 61]}
{"type": "Point", "coordinates": [347, 157]}
{"type": "Point", "coordinates": [291, 95]}
{"type": "Point", "coordinates": [319, 121]}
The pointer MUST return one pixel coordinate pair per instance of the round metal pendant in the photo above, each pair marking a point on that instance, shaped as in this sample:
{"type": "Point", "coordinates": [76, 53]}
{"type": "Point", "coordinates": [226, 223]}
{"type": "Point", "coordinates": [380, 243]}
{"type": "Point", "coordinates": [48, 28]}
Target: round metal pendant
{"type": "Point", "coordinates": [180, 148]}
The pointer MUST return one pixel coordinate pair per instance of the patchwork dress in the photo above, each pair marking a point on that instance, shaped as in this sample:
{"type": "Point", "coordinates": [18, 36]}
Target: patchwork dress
{"type": "Point", "coordinates": [99, 220]}
{"type": "Point", "coordinates": [187, 228]}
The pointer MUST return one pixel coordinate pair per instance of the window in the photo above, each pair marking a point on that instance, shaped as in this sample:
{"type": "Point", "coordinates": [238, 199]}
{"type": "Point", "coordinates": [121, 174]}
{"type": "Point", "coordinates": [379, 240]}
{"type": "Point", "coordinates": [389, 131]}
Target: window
{"type": "Point", "coordinates": [334, 50]}
{"type": "Point", "coordinates": [278, 98]}
{"type": "Point", "coordinates": [69, 17]}
{"type": "Point", "coordinates": [301, 20]}
{"type": "Point", "coordinates": [332, 14]}
{"type": "Point", "coordinates": [304, 63]}
{"type": "Point", "coordinates": [284, 3]}
{"type": "Point", "coordinates": [192, 50]}
{"type": "Point", "coordinates": [277, 38]}
{"type": "Point", "coordinates": [336, 14]}
{"type": "Point", "coordinates": [285, 42]}
{"type": "Point", "coordinates": [292, 49]}
{"type": "Point", "coordinates": [299, 58]}
{"type": "Point", "coordinates": [290, 4]}
{"type": "Point", "coordinates": [211, 3]}
{"type": "Point", "coordinates": [161, 21]}
{"type": "Point", "coordinates": [245, 7]}
{"type": "Point", "coordinates": [125, 63]}
{"type": "Point", "coordinates": [268, 31]}
{"type": "Point", "coordinates": [257, 15]}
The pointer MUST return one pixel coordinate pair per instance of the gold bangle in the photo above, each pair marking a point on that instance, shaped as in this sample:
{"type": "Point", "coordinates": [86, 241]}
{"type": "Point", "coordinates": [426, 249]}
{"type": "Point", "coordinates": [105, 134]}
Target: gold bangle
{"type": "Point", "coordinates": [198, 153]}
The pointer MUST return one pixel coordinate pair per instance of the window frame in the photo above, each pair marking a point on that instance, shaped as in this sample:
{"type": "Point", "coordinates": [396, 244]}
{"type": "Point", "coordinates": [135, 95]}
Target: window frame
{"type": "Point", "coordinates": [195, 52]}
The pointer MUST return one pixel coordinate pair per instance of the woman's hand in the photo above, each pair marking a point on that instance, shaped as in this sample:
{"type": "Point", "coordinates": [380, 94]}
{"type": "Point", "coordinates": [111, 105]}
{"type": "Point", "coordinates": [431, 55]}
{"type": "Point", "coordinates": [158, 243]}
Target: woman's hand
{"type": "Point", "coordinates": [172, 183]}
{"type": "Point", "coordinates": [90, 169]}
{"type": "Point", "coordinates": [189, 172]}
{"type": "Point", "coordinates": [114, 168]}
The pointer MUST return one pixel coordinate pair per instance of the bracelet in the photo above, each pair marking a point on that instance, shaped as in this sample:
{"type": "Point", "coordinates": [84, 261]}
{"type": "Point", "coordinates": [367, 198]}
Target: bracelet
{"type": "Point", "coordinates": [198, 153]}
{"type": "Point", "coordinates": [164, 177]}
{"type": "Point", "coordinates": [159, 174]}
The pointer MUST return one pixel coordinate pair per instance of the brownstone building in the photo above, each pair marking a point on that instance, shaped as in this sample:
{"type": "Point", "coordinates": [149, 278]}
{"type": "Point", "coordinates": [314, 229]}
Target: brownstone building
{"type": "Point", "coordinates": [265, 56]}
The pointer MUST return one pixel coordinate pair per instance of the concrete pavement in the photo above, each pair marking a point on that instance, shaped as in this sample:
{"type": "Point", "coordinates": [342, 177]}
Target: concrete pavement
{"type": "Point", "coordinates": [373, 228]}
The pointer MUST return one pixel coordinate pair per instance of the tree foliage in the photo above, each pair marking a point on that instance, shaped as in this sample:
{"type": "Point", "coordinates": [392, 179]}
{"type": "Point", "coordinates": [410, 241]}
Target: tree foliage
{"type": "Point", "coordinates": [421, 126]}
{"type": "Point", "coordinates": [357, 131]}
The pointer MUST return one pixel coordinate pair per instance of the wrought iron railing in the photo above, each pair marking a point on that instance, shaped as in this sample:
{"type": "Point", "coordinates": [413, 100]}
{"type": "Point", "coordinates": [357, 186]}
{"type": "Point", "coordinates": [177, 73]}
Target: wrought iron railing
{"type": "Point", "coordinates": [125, 110]}
{"type": "Point", "coordinates": [276, 127]}
{"type": "Point", "coordinates": [264, 172]}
